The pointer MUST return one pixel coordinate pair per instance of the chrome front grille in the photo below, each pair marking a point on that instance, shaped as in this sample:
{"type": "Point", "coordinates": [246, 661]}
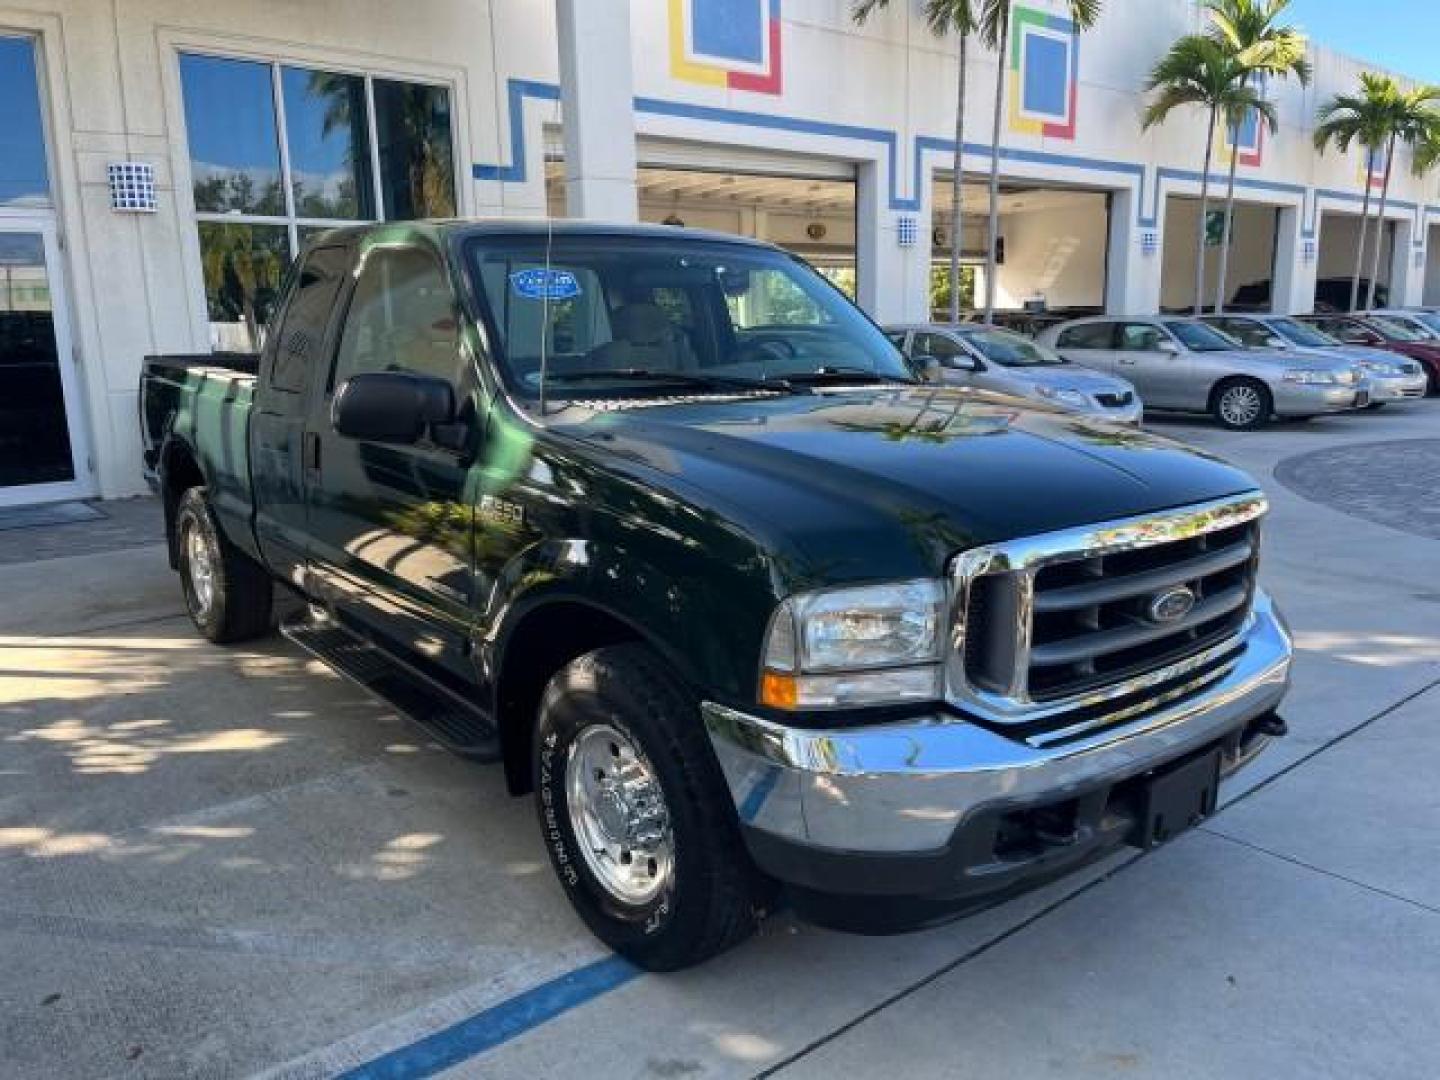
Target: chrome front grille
{"type": "Point", "coordinates": [1066, 632]}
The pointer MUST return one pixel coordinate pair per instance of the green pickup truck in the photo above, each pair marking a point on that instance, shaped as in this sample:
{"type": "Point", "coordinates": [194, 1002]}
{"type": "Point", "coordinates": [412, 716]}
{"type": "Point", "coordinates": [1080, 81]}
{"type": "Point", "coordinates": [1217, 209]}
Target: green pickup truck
{"type": "Point", "coordinates": [664, 524]}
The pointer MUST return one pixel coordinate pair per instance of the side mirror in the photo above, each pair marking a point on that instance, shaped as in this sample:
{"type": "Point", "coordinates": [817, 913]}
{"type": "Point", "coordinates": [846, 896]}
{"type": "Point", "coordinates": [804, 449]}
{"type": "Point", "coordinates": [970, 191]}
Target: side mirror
{"type": "Point", "coordinates": [1164, 345]}
{"type": "Point", "coordinates": [392, 406]}
{"type": "Point", "coordinates": [962, 362]}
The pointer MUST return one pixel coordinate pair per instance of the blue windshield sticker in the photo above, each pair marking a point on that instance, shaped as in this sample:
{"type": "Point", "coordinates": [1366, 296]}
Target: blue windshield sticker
{"type": "Point", "coordinates": [545, 284]}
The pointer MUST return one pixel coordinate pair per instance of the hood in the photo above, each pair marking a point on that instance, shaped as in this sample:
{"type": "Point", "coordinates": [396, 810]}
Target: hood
{"type": "Point", "coordinates": [1361, 354]}
{"type": "Point", "coordinates": [890, 481]}
{"type": "Point", "coordinates": [1326, 359]}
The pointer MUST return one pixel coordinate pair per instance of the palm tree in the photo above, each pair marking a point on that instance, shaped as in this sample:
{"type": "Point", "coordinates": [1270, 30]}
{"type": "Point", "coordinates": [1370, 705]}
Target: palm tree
{"type": "Point", "coordinates": [995, 33]}
{"type": "Point", "coordinates": [1199, 70]}
{"type": "Point", "coordinates": [1247, 28]}
{"type": "Point", "coordinates": [1379, 118]}
{"type": "Point", "coordinates": [945, 17]}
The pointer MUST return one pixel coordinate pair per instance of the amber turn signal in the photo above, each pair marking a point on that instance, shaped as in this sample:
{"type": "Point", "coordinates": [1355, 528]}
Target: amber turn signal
{"type": "Point", "coordinates": [779, 690]}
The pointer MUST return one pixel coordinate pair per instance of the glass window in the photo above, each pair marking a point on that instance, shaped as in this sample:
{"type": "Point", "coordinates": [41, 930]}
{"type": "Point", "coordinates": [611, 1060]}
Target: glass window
{"type": "Point", "coordinates": [327, 175]}
{"type": "Point", "coordinates": [1140, 337]}
{"type": "Point", "coordinates": [1250, 333]}
{"type": "Point", "coordinates": [230, 123]}
{"type": "Point", "coordinates": [327, 133]}
{"type": "Point", "coordinates": [401, 318]}
{"type": "Point", "coordinates": [243, 265]}
{"type": "Point", "coordinates": [24, 177]}
{"type": "Point", "coordinates": [1299, 333]}
{"type": "Point", "coordinates": [317, 281]}
{"type": "Point", "coordinates": [1087, 336]}
{"type": "Point", "coordinates": [1009, 349]}
{"type": "Point", "coordinates": [1402, 329]}
{"type": "Point", "coordinates": [596, 312]}
{"type": "Point", "coordinates": [1198, 337]}
{"type": "Point", "coordinates": [937, 345]}
{"type": "Point", "coordinates": [773, 298]}
{"type": "Point", "coordinates": [34, 436]}
{"type": "Point", "coordinates": [417, 167]}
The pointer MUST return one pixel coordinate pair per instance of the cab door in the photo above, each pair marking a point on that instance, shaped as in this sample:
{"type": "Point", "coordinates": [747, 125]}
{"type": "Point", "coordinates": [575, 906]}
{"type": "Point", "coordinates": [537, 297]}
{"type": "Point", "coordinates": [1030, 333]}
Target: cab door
{"type": "Point", "coordinates": [391, 526]}
{"type": "Point", "coordinates": [1155, 362]}
{"type": "Point", "coordinates": [294, 355]}
{"type": "Point", "coordinates": [1090, 345]}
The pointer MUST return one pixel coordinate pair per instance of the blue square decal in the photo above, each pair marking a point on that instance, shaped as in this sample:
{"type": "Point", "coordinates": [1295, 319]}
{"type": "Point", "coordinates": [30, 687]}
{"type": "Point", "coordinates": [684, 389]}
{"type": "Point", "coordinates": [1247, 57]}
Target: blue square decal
{"type": "Point", "coordinates": [729, 29]}
{"type": "Point", "coordinates": [1046, 85]}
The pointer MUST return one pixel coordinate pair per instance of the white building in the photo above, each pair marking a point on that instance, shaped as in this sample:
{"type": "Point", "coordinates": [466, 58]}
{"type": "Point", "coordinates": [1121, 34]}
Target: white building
{"type": "Point", "coordinates": [259, 122]}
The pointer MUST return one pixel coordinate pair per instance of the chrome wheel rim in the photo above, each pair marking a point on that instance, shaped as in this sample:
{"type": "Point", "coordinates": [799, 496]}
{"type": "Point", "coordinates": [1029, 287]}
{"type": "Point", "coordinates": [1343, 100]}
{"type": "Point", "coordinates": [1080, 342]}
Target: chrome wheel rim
{"type": "Point", "coordinates": [200, 567]}
{"type": "Point", "coordinates": [618, 813]}
{"type": "Point", "coordinates": [1240, 405]}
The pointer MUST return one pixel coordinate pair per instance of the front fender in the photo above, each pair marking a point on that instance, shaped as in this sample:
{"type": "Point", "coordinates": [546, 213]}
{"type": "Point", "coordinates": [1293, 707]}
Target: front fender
{"type": "Point", "coordinates": [707, 618]}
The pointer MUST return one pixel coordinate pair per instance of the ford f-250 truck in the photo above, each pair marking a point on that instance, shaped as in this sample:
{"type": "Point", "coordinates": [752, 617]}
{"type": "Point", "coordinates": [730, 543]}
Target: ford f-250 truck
{"type": "Point", "coordinates": [662, 522]}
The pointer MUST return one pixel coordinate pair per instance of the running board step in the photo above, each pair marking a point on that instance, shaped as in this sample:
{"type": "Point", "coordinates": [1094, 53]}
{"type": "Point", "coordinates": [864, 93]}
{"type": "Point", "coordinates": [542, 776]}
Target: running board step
{"type": "Point", "coordinates": [446, 718]}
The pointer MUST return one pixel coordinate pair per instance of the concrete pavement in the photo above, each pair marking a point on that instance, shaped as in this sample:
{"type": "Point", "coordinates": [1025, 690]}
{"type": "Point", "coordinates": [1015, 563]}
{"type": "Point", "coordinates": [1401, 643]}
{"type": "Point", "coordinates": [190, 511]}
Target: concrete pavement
{"type": "Point", "coordinates": [228, 862]}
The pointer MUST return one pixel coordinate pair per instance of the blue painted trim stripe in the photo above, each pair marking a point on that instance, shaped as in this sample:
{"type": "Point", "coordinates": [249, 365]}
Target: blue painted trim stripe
{"type": "Point", "coordinates": [498, 1024]}
{"type": "Point", "coordinates": [517, 90]}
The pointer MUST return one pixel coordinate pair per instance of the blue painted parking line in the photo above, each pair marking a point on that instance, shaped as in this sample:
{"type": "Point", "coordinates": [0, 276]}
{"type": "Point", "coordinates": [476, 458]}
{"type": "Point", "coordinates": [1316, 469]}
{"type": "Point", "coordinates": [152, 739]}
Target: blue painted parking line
{"type": "Point", "coordinates": [499, 1023]}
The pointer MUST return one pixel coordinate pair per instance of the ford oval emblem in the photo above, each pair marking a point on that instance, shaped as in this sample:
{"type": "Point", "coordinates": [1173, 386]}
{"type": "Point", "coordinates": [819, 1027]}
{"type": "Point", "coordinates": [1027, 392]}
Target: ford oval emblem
{"type": "Point", "coordinates": [1172, 605]}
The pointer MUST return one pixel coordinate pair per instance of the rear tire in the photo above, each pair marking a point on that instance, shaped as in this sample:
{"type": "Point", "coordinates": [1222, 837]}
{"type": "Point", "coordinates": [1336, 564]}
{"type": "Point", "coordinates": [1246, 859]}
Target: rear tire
{"type": "Point", "coordinates": [1241, 404]}
{"type": "Point", "coordinates": [229, 595]}
{"type": "Point", "coordinates": [636, 816]}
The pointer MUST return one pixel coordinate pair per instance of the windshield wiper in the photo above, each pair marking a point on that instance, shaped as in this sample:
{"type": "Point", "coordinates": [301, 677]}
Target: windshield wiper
{"type": "Point", "coordinates": [834, 373]}
{"type": "Point", "coordinates": [675, 378]}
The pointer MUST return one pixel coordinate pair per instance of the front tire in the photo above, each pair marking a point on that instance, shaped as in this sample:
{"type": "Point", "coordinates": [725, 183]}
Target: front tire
{"type": "Point", "coordinates": [1242, 404]}
{"type": "Point", "coordinates": [637, 819]}
{"type": "Point", "coordinates": [228, 594]}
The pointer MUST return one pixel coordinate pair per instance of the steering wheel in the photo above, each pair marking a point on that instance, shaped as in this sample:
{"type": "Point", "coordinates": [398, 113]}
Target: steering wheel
{"type": "Point", "coordinates": [781, 348]}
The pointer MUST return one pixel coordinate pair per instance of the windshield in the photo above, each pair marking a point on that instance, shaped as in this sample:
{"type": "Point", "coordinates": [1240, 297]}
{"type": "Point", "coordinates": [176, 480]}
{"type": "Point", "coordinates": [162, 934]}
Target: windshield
{"type": "Point", "coordinates": [639, 315]}
{"type": "Point", "coordinates": [1430, 319]}
{"type": "Point", "coordinates": [1307, 337]}
{"type": "Point", "coordinates": [1255, 334]}
{"type": "Point", "coordinates": [1401, 329]}
{"type": "Point", "coordinates": [1197, 337]}
{"type": "Point", "coordinates": [1008, 349]}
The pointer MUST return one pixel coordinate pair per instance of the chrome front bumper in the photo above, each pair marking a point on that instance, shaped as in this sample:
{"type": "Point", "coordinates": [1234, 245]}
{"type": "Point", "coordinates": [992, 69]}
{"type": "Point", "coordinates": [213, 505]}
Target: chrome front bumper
{"type": "Point", "coordinates": [1398, 387]}
{"type": "Point", "coordinates": [906, 788]}
{"type": "Point", "coordinates": [1300, 399]}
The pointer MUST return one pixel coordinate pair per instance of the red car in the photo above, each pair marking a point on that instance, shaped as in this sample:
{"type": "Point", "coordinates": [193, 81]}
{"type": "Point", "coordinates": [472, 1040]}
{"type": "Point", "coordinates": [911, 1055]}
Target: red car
{"type": "Point", "coordinates": [1385, 332]}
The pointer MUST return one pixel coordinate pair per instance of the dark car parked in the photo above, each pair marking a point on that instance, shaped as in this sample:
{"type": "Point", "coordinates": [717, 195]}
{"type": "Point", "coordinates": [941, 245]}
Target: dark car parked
{"type": "Point", "coordinates": [1331, 294]}
{"type": "Point", "coordinates": [662, 522]}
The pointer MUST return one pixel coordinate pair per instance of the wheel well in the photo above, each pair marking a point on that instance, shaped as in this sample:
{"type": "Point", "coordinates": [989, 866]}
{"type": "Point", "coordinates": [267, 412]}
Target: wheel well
{"type": "Point", "coordinates": [179, 472]}
{"type": "Point", "coordinates": [546, 640]}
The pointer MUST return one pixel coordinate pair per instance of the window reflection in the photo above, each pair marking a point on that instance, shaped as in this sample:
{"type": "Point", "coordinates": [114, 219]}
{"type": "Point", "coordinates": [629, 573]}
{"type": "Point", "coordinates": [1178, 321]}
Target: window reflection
{"type": "Point", "coordinates": [417, 170]}
{"type": "Point", "coordinates": [24, 178]}
{"type": "Point", "coordinates": [327, 135]}
{"type": "Point", "coordinates": [243, 265]}
{"type": "Point", "coordinates": [34, 435]}
{"type": "Point", "coordinates": [230, 122]}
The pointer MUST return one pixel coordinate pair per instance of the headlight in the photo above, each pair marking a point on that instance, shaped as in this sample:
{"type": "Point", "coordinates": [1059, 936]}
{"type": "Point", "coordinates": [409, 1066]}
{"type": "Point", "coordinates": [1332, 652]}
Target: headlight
{"type": "Point", "coordinates": [1376, 367]}
{"type": "Point", "coordinates": [1068, 397]}
{"type": "Point", "coordinates": [873, 645]}
{"type": "Point", "coordinates": [1311, 376]}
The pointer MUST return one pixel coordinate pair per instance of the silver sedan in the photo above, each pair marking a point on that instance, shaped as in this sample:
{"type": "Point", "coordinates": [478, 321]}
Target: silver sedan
{"type": "Point", "coordinates": [1391, 377]}
{"type": "Point", "coordinates": [1183, 365]}
{"type": "Point", "coordinates": [989, 358]}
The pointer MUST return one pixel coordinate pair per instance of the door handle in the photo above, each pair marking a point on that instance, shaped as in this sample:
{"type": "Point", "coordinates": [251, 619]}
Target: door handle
{"type": "Point", "coordinates": [312, 451]}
